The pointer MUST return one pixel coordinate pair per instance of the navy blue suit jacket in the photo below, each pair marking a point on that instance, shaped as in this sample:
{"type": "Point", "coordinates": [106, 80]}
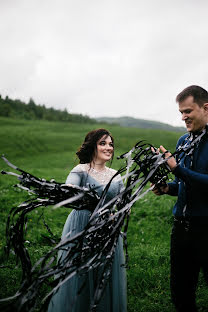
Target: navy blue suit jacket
{"type": "Point", "coordinates": [191, 182]}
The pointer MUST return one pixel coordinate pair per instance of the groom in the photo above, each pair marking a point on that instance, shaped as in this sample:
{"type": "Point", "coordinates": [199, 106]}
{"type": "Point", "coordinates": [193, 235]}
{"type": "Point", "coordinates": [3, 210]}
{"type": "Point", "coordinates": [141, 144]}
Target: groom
{"type": "Point", "coordinates": [189, 238]}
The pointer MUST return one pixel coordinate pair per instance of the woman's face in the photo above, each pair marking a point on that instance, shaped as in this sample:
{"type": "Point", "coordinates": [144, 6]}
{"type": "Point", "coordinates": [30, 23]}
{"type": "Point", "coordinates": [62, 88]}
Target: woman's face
{"type": "Point", "coordinates": [104, 150]}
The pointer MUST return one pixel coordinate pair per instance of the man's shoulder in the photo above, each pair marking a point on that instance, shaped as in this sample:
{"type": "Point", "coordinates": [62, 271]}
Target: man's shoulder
{"type": "Point", "coordinates": [182, 139]}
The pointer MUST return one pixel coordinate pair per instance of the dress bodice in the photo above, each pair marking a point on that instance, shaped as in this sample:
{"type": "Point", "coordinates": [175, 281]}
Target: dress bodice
{"type": "Point", "coordinates": [84, 175]}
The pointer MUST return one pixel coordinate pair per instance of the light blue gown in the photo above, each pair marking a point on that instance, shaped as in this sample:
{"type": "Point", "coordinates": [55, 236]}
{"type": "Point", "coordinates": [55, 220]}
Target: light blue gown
{"type": "Point", "coordinates": [114, 297]}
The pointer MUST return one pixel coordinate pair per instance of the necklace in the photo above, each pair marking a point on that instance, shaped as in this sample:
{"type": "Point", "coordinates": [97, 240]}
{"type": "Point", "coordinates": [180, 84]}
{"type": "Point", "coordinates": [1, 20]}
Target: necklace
{"type": "Point", "coordinates": [102, 176]}
{"type": "Point", "coordinates": [98, 170]}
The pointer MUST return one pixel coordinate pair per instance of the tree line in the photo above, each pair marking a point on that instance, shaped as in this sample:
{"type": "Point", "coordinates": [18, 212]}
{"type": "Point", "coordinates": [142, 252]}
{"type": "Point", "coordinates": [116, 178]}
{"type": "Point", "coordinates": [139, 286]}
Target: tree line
{"type": "Point", "coordinates": [19, 110]}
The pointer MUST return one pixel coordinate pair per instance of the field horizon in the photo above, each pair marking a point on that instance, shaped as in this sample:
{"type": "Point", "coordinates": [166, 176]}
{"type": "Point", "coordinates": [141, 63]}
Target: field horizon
{"type": "Point", "coordinates": [47, 150]}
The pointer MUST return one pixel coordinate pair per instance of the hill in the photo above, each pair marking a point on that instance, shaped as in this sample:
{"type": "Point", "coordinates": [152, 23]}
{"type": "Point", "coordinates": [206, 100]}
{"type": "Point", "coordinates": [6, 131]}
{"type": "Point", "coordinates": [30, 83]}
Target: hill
{"type": "Point", "coordinates": [17, 109]}
{"type": "Point", "coordinates": [132, 122]}
{"type": "Point", "coordinates": [22, 139]}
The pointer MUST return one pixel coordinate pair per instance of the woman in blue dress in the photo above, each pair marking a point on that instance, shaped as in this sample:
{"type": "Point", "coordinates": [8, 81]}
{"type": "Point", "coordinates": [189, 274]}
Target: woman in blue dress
{"type": "Point", "coordinates": [96, 150]}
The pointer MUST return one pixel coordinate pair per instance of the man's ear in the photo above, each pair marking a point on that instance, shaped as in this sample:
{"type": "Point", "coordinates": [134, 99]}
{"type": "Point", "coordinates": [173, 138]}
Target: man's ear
{"type": "Point", "coordinates": [206, 107]}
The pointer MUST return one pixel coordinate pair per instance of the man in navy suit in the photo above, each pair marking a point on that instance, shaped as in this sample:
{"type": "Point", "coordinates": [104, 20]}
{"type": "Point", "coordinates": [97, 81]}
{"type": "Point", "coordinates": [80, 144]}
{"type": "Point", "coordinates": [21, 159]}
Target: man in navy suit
{"type": "Point", "coordinates": [189, 238]}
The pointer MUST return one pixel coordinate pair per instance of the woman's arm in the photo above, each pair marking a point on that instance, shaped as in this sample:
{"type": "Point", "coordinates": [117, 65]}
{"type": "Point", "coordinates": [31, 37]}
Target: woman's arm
{"type": "Point", "coordinates": [75, 176]}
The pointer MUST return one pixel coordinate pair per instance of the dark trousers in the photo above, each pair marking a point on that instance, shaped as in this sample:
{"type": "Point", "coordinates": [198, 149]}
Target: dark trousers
{"type": "Point", "coordinates": [188, 254]}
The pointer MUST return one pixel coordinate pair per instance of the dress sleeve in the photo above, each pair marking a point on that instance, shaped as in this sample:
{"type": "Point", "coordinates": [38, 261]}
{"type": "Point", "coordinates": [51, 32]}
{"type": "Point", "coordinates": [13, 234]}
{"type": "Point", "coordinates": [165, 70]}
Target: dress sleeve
{"type": "Point", "coordinates": [75, 176]}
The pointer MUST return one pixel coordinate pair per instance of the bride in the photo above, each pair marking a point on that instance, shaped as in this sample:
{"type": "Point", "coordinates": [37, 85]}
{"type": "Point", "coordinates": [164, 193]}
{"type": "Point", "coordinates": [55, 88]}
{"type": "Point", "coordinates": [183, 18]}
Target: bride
{"type": "Point", "coordinates": [92, 172]}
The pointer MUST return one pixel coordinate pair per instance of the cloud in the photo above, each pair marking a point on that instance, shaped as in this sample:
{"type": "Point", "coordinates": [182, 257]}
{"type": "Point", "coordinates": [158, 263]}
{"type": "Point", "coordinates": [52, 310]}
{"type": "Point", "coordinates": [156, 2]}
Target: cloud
{"type": "Point", "coordinates": [103, 58]}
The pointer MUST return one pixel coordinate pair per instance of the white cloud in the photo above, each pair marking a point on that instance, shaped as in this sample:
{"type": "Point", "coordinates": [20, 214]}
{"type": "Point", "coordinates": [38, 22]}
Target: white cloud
{"type": "Point", "coordinates": [100, 57]}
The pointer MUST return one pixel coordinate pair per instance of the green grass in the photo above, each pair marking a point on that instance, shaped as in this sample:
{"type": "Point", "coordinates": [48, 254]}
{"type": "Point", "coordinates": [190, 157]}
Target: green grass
{"type": "Point", "coordinates": [47, 149]}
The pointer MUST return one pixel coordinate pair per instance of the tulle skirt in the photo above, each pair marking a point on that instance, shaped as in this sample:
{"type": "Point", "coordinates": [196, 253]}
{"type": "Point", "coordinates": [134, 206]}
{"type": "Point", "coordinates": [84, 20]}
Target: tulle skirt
{"type": "Point", "coordinates": [114, 297]}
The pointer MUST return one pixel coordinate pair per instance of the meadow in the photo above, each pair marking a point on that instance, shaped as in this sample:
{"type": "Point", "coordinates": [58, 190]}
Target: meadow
{"type": "Point", "coordinates": [47, 149]}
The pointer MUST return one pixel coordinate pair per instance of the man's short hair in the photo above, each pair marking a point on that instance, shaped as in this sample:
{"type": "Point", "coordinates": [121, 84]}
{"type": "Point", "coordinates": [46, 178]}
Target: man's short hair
{"type": "Point", "coordinates": [199, 94]}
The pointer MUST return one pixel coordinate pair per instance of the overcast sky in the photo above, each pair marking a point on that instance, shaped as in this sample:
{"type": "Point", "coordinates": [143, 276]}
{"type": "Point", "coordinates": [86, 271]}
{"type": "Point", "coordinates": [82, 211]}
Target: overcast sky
{"type": "Point", "coordinates": [104, 57]}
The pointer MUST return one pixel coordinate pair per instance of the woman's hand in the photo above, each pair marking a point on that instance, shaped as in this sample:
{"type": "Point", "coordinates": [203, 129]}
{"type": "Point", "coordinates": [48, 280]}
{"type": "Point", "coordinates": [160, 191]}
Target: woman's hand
{"type": "Point", "coordinates": [69, 184]}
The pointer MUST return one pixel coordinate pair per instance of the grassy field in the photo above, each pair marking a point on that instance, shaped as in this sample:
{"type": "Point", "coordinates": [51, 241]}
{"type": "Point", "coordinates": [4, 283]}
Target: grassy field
{"type": "Point", "coordinates": [47, 149]}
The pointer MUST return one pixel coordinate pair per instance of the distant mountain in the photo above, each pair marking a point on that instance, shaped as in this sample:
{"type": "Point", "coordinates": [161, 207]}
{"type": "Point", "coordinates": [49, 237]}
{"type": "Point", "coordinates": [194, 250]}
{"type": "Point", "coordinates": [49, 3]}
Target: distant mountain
{"type": "Point", "coordinates": [126, 121]}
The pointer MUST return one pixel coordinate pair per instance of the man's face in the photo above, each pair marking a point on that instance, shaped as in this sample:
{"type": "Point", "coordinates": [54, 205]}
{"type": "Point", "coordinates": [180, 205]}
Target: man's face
{"type": "Point", "coordinates": [195, 117]}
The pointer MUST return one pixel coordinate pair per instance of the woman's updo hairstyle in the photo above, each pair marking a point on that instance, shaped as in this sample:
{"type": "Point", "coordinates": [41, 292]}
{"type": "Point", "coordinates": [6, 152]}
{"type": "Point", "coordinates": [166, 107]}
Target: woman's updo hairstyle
{"type": "Point", "coordinates": [88, 149]}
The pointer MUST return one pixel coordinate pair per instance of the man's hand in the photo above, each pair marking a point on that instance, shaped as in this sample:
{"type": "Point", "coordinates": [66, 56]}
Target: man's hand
{"type": "Point", "coordinates": [171, 161]}
{"type": "Point", "coordinates": [160, 190]}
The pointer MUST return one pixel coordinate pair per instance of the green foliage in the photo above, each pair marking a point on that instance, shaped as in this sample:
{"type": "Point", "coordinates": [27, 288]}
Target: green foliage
{"type": "Point", "coordinates": [18, 109]}
{"type": "Point", "coordinates": [47, 149]}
